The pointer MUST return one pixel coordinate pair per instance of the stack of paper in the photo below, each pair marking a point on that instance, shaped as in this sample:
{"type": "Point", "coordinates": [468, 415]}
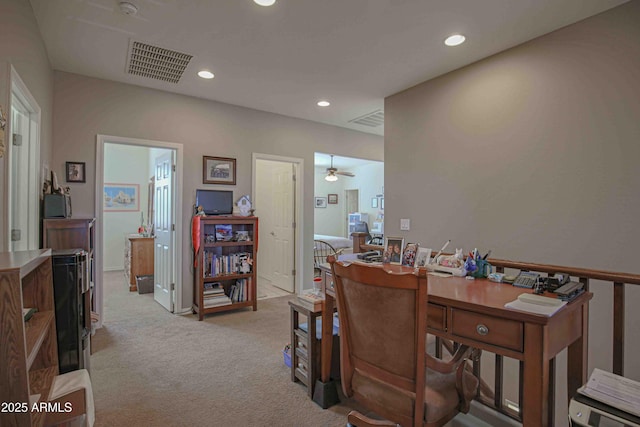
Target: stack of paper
{"type": "Point", "coordinates": [614, 390]}
{"type": "Point", "coordinates": [536, 304]}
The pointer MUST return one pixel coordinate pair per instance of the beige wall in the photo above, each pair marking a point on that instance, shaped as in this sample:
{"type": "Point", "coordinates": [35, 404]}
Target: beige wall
{"type": "Point", "coordinates": [84, 107]}
{"type": "Point", "coordinates": [532, 153]}
{"type": "Point", "coordinates": [21, 45]}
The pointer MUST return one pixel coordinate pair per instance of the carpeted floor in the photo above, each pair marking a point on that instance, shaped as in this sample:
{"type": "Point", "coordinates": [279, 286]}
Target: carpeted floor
{"type": "Point", "coordinates": [153, 368]}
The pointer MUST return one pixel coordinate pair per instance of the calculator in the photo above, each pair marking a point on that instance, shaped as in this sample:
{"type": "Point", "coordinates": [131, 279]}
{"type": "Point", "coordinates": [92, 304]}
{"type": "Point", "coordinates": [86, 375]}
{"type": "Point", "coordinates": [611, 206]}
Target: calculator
{"type": "Point", "coordinates": [526, 279]}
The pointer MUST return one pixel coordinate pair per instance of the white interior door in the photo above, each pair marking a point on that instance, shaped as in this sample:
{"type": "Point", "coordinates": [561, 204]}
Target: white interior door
{"type": "Point", "coordinates": [164, 244]}
{"type": "Point", "coordinates": [275, 201]}
{"type": "Point", "coordinates": [24, 169]}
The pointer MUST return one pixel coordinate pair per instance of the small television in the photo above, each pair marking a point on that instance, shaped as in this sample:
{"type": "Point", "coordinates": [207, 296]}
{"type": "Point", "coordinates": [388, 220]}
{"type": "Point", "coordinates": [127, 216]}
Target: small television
{"type": "Point", "coordinates": [215, 202]}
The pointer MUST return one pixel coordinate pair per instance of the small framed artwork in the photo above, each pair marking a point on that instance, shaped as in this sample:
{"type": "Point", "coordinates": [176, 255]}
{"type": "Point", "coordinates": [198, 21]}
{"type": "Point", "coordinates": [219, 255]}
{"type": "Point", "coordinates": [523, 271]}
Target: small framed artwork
{"type": "Point", "coordinates": [121, 197]}
{"type": "Point", "coordinates": [381, 202]}
{"type": "Point", "coordinates": [409, 254]}
{"type": "Point", "coordinates": [218, 170]}
{"type": "Point", "coordinates": [423, 257]}
{"type": "Point", "coordinates": [321, 202]}
{"type": "Point", "coordinates": [374, 202]}
{"type": "Point", "coordinates": [393, 250]}
{"type": "Point", "coordinates": [332, 199]}
{"type": "Point", "coordinates": [76, 172]}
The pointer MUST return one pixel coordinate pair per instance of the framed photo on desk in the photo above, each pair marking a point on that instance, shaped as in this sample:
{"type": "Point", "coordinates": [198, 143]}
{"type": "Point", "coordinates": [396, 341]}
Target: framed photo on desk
{"type": "Point", "coordinates": [393, 250]}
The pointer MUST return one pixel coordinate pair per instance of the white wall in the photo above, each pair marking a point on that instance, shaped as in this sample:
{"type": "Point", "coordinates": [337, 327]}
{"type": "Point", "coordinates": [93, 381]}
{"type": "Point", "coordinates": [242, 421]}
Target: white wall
{"type": "Point", "coordinates": [86, 106]}
{"type": "Point", "coordinates": [369, 180]}
{"type": "Point", "coordinates": [532, 153]}
{"type": "Point", "coordinates": [124, 164]}
{"type": "Point", "coordinates": [330, 220]}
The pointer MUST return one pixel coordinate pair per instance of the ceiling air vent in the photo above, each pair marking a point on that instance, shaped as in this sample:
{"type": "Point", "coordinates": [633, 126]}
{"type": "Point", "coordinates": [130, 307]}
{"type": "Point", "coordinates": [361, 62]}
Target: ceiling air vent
{"type": "Point", "coordinates": [373, 119]}
{"type": "Point", "coordinates": [156, 62]}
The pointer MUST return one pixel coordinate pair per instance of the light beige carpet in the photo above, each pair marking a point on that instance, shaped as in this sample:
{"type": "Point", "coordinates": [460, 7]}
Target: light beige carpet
{"type": "Point", "coordinates": [153, 368]}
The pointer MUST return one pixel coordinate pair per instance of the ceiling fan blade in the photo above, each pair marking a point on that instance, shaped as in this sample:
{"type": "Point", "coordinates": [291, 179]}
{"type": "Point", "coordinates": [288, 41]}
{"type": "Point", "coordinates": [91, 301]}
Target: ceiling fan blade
{"type": "Point", "coordinates": [349, 174]}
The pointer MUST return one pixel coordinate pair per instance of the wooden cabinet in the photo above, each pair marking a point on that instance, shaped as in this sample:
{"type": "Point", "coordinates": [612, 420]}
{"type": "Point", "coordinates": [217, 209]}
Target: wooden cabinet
{"type": "Point", "coordinates": [138, 258]}
{"type": "Point", "coordinates": [225, 277]}
{"type": "Point", "coordinates": [72, 233]}
{"type": "Point", "coordinates": [28, 350]}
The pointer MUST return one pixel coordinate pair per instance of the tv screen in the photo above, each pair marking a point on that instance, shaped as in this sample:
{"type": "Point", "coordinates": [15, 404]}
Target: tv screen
{"type": "Point", "coordinates": [215, 202]}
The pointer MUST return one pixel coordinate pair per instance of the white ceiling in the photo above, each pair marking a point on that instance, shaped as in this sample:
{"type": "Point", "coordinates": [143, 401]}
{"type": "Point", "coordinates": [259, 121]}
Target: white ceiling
{"type": "Point", "coordinates": [286, 57]}
{"type": "Point", "coordinates": [322, 160]}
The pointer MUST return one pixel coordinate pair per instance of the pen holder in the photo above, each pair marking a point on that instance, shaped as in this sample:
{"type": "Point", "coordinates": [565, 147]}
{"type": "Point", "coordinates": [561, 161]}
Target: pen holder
{"type": "Point", "coordinates": [483, 270]}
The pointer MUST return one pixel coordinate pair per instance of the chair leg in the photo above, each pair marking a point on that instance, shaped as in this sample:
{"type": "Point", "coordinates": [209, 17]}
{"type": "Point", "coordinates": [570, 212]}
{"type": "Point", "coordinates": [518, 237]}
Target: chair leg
{"type": "Point", "coordinates": [356, 419]}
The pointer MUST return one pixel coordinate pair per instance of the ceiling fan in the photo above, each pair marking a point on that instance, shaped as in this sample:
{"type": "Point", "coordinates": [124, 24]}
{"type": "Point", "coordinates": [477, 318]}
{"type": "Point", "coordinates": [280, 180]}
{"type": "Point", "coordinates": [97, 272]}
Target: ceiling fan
{"type": "Point", "coordinates": [332, 172]}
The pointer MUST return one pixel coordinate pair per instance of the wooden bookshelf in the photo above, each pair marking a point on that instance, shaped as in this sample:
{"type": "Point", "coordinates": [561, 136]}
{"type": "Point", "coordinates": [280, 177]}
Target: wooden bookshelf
{"type": "Point", "coordinates": [28, 353]}
{"type": "Point", "coordinates": [218, 262]}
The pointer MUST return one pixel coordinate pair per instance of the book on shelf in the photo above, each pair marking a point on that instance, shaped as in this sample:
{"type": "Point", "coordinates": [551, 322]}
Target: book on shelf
{"type": "Point", "coordinates": [28, 312]}
{"type": "Point", "coordinates": [311, 301]}
{"type": "Point", "coordinates": [218, 265]}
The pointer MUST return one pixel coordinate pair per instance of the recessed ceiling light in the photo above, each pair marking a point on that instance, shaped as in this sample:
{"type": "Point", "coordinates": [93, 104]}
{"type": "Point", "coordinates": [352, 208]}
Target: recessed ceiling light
{"type": "Point", "coordinates": [265, 2]}
{"type": "Point", "coordinates": [454, 40]}
{"type": "Point", "coordinates": [205, 74]}
{"type": "Point", "coordinates": [323, 103]}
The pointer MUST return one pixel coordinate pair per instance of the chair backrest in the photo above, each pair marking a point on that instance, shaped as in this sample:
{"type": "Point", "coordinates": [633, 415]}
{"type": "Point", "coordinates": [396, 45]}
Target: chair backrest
{"type": "Point", "coordinates": [321, 250]}
{"type": "Point", "coordinates": [383, 316]}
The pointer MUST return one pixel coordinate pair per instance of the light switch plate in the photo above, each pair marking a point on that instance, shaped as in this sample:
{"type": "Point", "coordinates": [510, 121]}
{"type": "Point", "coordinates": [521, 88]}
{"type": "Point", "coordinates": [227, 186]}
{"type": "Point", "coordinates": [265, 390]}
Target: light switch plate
{"type": "Point", "coordinates": [405, 224]}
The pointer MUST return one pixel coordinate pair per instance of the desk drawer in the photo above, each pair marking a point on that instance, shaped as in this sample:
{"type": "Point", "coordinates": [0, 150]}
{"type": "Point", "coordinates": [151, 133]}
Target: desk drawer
{"type": "Point", "coordinates": [437, 317]}
{"type": "Point", "coordinates": [487, 329]}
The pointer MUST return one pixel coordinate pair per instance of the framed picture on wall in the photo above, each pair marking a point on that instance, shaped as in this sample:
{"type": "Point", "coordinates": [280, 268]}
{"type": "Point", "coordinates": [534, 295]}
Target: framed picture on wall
{"type": "Point", "coordinates": [121, 197]}
{"type": "Point", "coordinates": [218, 170]}
{"type": "Point", "coordinates": [374, 202]}
{"type": "Point", "coordinates": [321, 202]}
{"type": "Point", "coordinates": [332, 199]}
{"type": "Point", "coordinates": [75, 172]}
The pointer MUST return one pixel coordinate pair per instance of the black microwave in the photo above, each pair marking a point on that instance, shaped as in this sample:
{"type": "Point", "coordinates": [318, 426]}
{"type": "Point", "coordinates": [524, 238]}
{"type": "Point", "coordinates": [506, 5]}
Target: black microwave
{"type": "Point", "coordinates": [57, 206]}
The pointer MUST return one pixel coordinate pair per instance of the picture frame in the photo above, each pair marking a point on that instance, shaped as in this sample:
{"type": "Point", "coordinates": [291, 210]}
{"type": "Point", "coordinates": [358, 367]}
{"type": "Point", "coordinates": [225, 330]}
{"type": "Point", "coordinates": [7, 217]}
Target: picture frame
{"type": "Point", "coordinates": [332, 199]}
{"type": "Point", "coordinates": [218, 170]}
{"type": "Point", "coordinates": [374, 202]}
{"type": "Point", "coordinates": [320, 202]}
{"type": "Point", "coordinates": [121, 197]}
{"type": "Point", "coordinates": [409, 254]}
{"type": "Point", "coordinates": [393, 247]}
{"type": "Point", "coordinates": [382, 203]}
{"type": "Point", "coordinates": [423, 257]}
{"type": "Point", "coordinates": [75, 172]}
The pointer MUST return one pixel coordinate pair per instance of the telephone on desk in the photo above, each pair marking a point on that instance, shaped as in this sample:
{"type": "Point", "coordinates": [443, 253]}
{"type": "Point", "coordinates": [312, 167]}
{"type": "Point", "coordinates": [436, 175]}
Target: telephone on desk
{"type": "Point", "coordinates": [371, 256]}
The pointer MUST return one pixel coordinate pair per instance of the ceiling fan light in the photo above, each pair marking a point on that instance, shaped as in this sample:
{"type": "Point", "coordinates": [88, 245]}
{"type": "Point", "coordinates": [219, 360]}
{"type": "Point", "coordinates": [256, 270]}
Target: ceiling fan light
{"type": "Point", "coordinates": [331, 178]}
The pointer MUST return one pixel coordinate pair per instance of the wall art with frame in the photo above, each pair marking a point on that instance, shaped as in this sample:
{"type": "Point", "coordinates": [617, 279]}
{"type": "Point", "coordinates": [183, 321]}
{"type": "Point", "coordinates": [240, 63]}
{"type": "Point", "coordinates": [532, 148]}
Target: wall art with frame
{"type": "Point", "coordinates": [321, 202]}
{"type": "Point", "coordinates": [75, 172]}
{"type": "Point", "coordinates": [218, 170]}
{"type": "Point", "coordinates": [121, 197]}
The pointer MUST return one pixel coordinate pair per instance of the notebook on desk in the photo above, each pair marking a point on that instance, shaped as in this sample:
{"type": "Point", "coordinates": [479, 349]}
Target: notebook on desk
{"type": "Point", "coordinates": [536, 304]}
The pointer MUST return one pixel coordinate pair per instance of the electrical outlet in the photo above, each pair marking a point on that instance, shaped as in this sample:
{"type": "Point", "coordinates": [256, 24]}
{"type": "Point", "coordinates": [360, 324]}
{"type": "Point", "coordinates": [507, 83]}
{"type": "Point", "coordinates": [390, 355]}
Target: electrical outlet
{"type": "Point", "coordinates": [405, 224]}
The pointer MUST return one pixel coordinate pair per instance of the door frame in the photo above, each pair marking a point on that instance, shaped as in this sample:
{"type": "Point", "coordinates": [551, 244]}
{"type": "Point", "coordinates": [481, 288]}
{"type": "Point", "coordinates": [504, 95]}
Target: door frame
{"type": "Point", "coordinates": [99, 205]}
{"type": "Point", "coordinates": [16, 84]}
{"type": "Point", "coordinates": [298, 164]}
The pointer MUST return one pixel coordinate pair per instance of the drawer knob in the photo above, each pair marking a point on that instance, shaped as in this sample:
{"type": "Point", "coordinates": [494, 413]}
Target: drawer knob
{"type": "Point", "coordinates": [482, 329]}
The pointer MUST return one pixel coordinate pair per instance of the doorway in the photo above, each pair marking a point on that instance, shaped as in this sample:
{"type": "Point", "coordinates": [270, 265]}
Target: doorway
{"type": "Point", "coordinates": [23, 168]}
{"type": "Point", "coordinates": [134, 164]}
{"type": "Point", "coordinates": [277, 187]}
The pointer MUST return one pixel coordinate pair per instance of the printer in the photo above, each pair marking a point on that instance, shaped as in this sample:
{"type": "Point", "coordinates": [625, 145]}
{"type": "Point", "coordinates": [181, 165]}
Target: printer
{"type": "Point", "coordinates": [606, 400]}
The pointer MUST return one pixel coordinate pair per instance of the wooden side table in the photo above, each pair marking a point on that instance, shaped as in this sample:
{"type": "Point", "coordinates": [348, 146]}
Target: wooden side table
{"type": "Point", "coordinates": [306, 355]}
{"type": "Point", "coordinates": [138, 258]}
{"type": "Point", "coordinates": [305, 347]}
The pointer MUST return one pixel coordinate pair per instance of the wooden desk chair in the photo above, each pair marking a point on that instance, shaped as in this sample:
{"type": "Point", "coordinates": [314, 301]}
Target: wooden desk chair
{"type": "Point", "coordinates": [384, 365]}
{"type": "Point", "coordinates": [321, 250]}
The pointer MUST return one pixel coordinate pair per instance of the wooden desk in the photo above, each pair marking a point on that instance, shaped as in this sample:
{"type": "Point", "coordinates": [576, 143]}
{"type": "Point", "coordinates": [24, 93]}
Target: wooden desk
{"type": "Point", "coordinates": [473, 313]}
